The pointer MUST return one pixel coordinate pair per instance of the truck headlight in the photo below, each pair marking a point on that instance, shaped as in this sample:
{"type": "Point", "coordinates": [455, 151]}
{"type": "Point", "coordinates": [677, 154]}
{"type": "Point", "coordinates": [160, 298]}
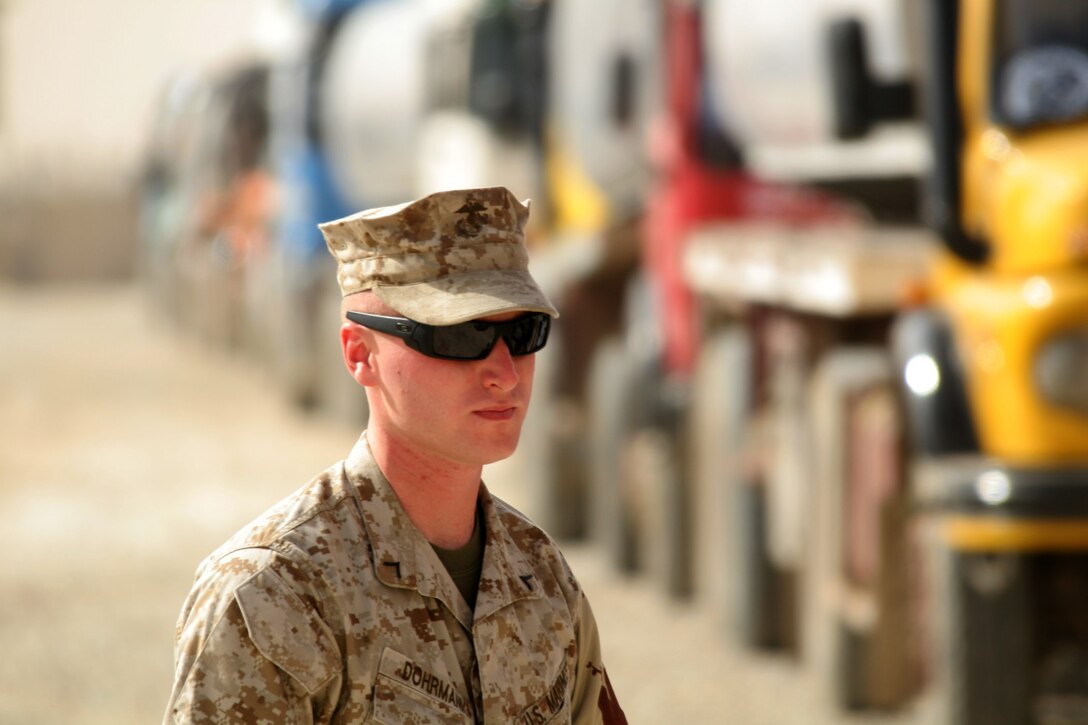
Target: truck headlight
{"type": "Point", "coordinates": [922, 375]}
{"type": "Point", "coordinates": [1061, 370]}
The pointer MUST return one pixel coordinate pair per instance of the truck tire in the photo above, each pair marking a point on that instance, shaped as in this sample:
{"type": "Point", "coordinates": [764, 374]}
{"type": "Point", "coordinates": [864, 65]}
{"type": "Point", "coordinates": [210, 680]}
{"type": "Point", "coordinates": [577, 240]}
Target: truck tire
{"type": "Point", "coordinates": [662, 506]}
{"type": "Point", "coordinates": [1007, 579]}
{"type": "Point", "coordinates": [759, 603]}
{"type": "Point", "coordinates": [858, 598]}
{"type": "Point", "coordinates": [716, 425]}
{"type": "Point", "coordinates": [989, 674]}
{"type": "Point", "coordinates": [554, 448]}
{"type": "Point", "coordinates": [611, 378]}
{"type": "Point", "coordinates": [992, 669]}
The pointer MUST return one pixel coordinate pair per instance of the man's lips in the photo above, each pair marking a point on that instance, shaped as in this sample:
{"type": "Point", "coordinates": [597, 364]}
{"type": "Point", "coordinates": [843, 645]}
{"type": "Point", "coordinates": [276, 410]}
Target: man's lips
{"type": "Point", "coordinates": [498, 413]}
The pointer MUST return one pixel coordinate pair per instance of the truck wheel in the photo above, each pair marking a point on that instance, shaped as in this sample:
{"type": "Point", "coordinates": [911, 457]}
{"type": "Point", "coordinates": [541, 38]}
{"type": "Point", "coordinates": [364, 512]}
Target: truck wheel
{"type": "Point", "coordinates": [611, 378]}
{"type": "Point", "coordinates": [760, 602]}
{"type": "Point", "coordinates": [565, 487]}
{"type": "Point", "coordinates": [662, 505]}
{"type": "Point", "coordinates": [858, 603]}
{"type": "Point", "coordinates": [554, 447]}
{"type": "Point", "coordinates": [989, 678]}
{"type": "Point", "coordinates": [297, 303]}
{"type": "Point", "coordinates": [676, 576]}
{"type": "Point", "coordinates": [716, 426]}
{"type": "Point", "coordinates": [1006, 628]}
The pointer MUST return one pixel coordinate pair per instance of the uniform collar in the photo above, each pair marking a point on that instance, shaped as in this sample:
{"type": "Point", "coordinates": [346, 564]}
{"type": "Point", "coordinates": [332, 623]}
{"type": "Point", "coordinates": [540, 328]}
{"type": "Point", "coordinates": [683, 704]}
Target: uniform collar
{"type": "Point", "coordinates": [509, 573]}
{"type": "Point", "coordinates": [404, 559]}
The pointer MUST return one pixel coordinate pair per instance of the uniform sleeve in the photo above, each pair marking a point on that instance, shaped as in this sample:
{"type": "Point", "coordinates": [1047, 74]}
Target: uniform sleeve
{"type": "Point", "coordinates": [251, 651]}
{"type": "Point", "coordinates": [594, 701]}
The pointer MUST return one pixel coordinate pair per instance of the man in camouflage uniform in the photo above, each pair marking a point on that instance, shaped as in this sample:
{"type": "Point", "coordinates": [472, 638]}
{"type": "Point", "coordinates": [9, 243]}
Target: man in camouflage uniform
{"type": "Point", "coordinates": [394, 588]}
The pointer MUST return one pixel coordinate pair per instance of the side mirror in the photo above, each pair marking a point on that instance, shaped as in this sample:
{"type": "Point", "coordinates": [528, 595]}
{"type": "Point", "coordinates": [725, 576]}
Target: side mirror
{"type": "Point", "coordinates": [859, 100]}
{"type": "Point", "coordinates": [944, 187]}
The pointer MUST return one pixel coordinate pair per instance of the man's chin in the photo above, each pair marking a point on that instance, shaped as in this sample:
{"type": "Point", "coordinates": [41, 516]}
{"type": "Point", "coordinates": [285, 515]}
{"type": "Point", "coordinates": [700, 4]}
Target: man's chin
{"type": "Point", "coordinates": [498, 451]}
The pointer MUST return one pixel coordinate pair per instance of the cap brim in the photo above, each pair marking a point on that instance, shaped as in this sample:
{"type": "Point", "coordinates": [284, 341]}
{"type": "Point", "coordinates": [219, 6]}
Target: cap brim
{"type": "Point", "coordinates": [469, 296]}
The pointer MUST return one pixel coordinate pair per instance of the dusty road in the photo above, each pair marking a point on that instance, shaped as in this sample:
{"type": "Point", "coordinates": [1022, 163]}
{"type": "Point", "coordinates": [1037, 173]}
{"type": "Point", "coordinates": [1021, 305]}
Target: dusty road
{"type": "Point", "coordinates": [127, 453]}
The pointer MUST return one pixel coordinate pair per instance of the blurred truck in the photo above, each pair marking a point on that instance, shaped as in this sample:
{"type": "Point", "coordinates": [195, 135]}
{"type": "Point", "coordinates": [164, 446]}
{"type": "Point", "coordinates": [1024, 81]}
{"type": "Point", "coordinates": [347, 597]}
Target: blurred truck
{"type": "Point", "coordinates": [207, 196]}
{"type": "Point", "coordinates": [297, 279]}
{"type": "Point", "coordinates": [809, 464]}
{"type": "Point", "coordinates": [865, 383]}
{"type": "Point", "coordinates": [602, 91]}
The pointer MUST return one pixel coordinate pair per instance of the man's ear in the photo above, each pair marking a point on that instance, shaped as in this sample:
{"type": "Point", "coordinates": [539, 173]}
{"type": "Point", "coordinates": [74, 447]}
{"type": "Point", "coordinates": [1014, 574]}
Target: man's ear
{"type": "Point", "coordinates": [357, 345]}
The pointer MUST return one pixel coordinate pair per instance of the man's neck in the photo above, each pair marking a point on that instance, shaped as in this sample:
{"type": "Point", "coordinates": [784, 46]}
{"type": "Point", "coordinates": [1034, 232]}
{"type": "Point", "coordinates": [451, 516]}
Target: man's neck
{"type": "Point", "coordinates": [439, 495]}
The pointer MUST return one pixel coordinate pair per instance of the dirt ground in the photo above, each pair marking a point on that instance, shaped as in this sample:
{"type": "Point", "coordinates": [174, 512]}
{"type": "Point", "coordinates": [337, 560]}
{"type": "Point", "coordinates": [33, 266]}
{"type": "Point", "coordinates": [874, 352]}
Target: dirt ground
{"type": "Point", "coordinates": [128, 452]}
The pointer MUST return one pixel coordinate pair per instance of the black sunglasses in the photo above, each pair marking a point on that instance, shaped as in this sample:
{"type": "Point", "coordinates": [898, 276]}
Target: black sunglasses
{"type": "Point", "coordinates": [471, 340]}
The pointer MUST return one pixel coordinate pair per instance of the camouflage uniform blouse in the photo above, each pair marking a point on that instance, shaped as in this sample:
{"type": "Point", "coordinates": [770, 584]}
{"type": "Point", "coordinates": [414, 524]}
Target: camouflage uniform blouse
{"type": "Point", "coordinates": [333, 608]}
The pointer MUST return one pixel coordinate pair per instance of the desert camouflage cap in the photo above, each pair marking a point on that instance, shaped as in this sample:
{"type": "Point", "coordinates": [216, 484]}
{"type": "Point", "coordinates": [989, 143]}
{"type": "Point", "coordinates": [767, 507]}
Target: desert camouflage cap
{"type": "Point", "coordinates": [449, 257]}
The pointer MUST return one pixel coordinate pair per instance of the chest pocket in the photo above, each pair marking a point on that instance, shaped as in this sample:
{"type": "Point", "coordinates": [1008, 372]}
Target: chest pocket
{"type": "Point", "coordinates": [405, 692]}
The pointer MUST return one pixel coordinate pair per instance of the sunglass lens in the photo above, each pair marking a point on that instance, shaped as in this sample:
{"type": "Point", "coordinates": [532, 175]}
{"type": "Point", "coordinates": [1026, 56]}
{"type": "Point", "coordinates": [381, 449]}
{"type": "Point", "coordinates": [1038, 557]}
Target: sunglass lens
{"type": "Point", "coordinates": [528, 334]}
{"type": "Point", "coordinates": [467, 341]}
{"type": "Point", "coordinates": [474, 340]}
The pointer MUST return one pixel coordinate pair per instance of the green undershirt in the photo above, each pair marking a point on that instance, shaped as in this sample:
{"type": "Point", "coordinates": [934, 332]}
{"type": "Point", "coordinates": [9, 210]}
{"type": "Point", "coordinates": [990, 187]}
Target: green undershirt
{"type": "Point", "coordinates": [464, 564]}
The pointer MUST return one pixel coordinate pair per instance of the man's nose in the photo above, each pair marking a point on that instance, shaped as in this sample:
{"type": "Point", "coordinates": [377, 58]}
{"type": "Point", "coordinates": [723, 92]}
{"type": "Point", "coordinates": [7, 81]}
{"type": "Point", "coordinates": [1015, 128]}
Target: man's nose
{"type": "Point", "coordinates": [499, 368]}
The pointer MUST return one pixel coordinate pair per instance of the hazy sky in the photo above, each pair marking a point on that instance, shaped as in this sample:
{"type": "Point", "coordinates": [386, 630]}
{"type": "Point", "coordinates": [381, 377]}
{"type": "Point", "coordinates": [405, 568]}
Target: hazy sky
{"type": "Point", "coordinates": [78, 80]}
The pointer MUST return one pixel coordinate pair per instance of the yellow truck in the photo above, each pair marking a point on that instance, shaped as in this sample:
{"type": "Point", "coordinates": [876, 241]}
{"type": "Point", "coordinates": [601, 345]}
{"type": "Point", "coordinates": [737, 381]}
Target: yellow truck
{"type": "Point", "coordinates": [994, 366]}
